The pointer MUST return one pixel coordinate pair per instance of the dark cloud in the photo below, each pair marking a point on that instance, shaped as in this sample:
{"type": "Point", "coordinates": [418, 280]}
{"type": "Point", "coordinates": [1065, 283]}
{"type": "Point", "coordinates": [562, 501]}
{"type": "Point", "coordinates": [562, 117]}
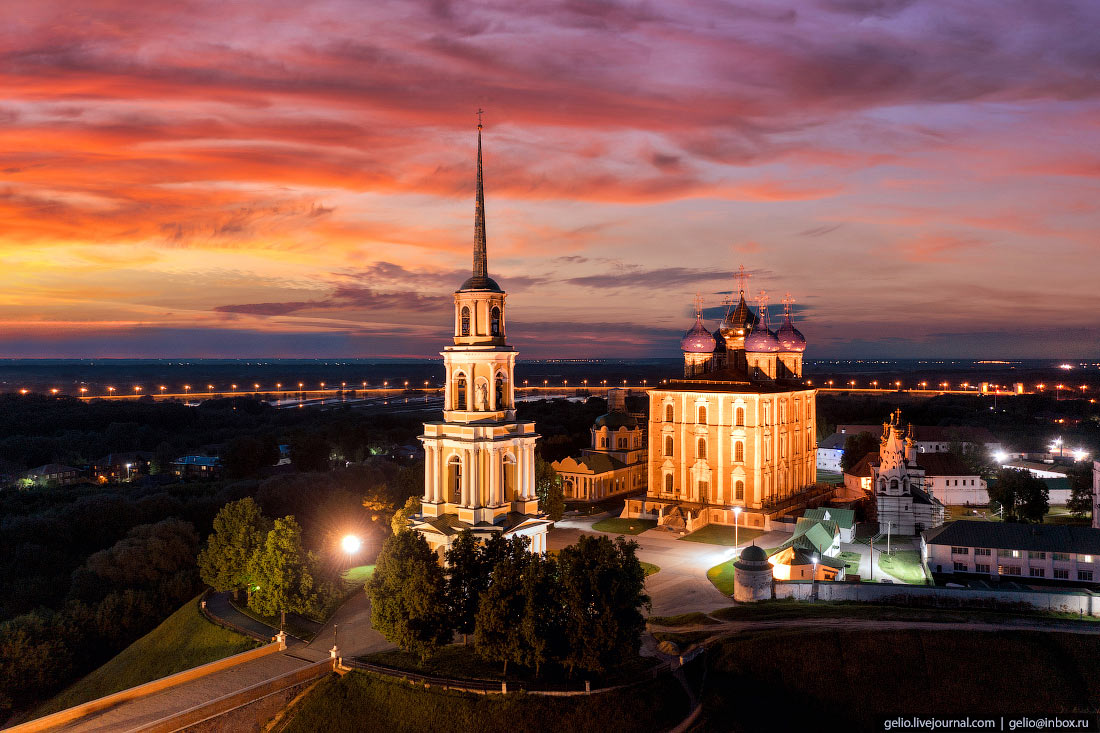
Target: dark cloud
{"type": "Point", "coordinates": [639, 278]}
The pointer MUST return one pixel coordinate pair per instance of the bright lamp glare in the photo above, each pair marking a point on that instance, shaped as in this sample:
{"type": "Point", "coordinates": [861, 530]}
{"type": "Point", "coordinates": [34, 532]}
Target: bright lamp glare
{"type": "Point", "coordinates": [351, 544]}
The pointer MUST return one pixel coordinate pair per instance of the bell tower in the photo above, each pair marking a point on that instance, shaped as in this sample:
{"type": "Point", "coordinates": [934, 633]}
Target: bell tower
{"type": "Point", "coordinates": [479, 462]}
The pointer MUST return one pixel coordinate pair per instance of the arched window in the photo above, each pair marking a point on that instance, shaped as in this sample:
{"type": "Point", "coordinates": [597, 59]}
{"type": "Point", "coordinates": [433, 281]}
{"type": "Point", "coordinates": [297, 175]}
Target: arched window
{"type": "Point", "coordinates": [702, 415]}
{"type": "Point", "coordinates": [783, 411]}
{"type": "Point", "coordinates": [454, 469]}
{"type": "Point", "coordinates": [668, 413]}
{"type": "Point", "coordinates": [701, 448]}
{"type": "Point", "coordinates": [668, 482]}
{"type": "Point", "coordinates": [739, 420]}
{"type": "Point", "coordinates": [460, 392]}
{"type": "Point", "coordinates": [739, 491]}
{"type": "Point", "coordinates": [739, 452]}
{"type": "Point", "coordinates": [465, 321]}
{"type": "Point", "coordinates": [893, 483]}
{"type": "Point", "coordinates": [494, 321]}
{"type": "Point", "coordinates": [668, 445]}
{"type": "Point", "coordinates": [622, 442]}
{"type": "Point", "coordinates": [500, 397]}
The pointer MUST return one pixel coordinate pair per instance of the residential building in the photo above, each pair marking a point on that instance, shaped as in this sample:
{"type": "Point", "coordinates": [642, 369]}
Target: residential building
{"type": "Point", "coordinates": [479, 461]}
{"type": "Point", "coordinates": [947, 478]}
{"type": "Point", "coordinates": [845, 520]}
{"type": "Point", "coordinates": [736, 431]}
{"type": "Point", "coordinates": [1014, 550]}
{"type": "Point", "coordinates": [814, 546]}
{"type": "Point", "coordinates": [115, 467]}
{"type": "Point", "coordinates": [203, 467]}
{"type": "Point", "coordinates": [51, 474]}
{"type": "Point", "coordinates": [615, 464]}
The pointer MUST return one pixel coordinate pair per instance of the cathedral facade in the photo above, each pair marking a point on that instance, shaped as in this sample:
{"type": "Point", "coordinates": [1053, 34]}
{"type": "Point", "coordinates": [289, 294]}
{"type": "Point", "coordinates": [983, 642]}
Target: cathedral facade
{"type": "Point", "coordinates": [479, 461]}
{"type": "Point", "coordinates": [615, 464]}
{"type": "Point", "coordinates": [733, 440]}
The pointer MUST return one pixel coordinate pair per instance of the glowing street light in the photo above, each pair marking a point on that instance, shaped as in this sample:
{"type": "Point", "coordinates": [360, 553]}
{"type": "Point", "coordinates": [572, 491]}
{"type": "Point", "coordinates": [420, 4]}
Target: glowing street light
{"type": "Point", "coordinates": [111, 390]}
{"type": "Point", "coordinates": [186, 388]}
{"type": "Point", "coordinates": [351, 544]}
{"type": "Point", "coordinates": [53, 390]}
{"type": "Point", "coordinates": [137, 387]}
{"type": "Point", "coordinates": [83, 391]}
{"type": "Point", "coordinates": [736, 522]}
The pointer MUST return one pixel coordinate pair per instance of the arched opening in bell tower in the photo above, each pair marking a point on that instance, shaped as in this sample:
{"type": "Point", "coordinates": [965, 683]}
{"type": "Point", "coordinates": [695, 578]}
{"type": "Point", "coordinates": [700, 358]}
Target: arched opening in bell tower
{"type": "Point", "coordinates": [511, 485]}
{"type": "Point", "coordinates": [454, 480]}
{"type": "Point", "coordinates": [499, 392]}
{"type": "Point", "coordinates": [494, 321]}
{"type": "Point", "coordinates": [460, 392]}
{"type": "Point", "coordinates": [465, 321]}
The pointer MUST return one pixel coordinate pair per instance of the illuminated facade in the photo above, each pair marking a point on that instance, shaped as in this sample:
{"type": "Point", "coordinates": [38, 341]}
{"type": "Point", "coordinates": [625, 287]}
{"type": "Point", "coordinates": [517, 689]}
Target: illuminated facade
{"type": "Point", "coordinates": [738, 430]}
{"type": "Point", "coordinates": [615, 464]}
{"type": "Point", "coordinates": [479, 462]}
{"type": "Point", "coordinates": [904, 502]}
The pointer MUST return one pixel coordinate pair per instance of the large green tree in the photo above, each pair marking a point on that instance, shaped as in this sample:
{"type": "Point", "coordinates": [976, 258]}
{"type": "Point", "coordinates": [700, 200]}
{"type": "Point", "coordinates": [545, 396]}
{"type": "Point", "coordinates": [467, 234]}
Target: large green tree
{"type": "Point", "coordinates": [408, 595]}
{"type": "Point", "coordinates": [467, 578]}
{"type": "Point", "coordinates": [239, 531]}
{"type": "Point", "coordinates": [856, 446]}
{"type": "Point", "coordinates": [1080, 490]}
{"type": "Point", "coordinates": [1022, 496]}
{"type": "Point", "coordinates": [549, 489]}
{"type": "Point", "coordinates": [498, 633]}
{"type": "Point", "coordinates": [284, 574]}
{"type": "Point", "coordinates": [975, 457]}
{"type": "Point", "coordinates": [401, 518]}
{"type": "Point", "coordinates": [542, 627]}
{"type": "Point", "coordinates": [602, 596]}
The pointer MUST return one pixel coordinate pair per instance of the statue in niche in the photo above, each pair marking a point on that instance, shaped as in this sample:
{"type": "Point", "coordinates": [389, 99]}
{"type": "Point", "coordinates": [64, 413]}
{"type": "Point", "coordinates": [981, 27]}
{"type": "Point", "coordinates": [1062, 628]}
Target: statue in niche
{"type": "Point", "coordinates": [482, 396]}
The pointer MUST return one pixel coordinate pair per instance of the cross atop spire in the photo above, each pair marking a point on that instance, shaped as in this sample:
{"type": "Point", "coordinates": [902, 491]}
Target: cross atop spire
{"type": "Point", "coordinates": [742, 276]}
{"type": "Point", "coordinates": [788, 301]}
{"type": "Point", "coordinates": [762, 312]}
{"type": "Point", "coordinates": [698, 306]}
{"type": "Point", "coordinates": [481, 265]}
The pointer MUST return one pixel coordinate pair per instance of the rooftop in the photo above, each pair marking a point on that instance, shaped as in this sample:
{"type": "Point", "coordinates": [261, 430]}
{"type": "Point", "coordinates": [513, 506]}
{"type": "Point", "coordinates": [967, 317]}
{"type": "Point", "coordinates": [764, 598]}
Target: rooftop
{"type": "Point", "coordinates": [1015, 536]}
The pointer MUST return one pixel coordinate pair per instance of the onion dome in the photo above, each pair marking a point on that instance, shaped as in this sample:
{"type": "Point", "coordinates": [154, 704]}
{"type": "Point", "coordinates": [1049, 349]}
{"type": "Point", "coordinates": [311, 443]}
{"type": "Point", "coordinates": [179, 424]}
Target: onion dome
{"type": "Point", "coordinates": [698, 340]}
{"type": "Point", "coordinates": [790, 338]}
{"type": "Point", "coordinates": [738, 322]}
{"type": "Point", "coordinates": [761, 340]}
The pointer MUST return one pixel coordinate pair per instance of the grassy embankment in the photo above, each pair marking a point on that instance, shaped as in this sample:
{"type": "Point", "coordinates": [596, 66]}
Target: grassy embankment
{"type": "Point", "coordinates": [182, 641]}
{"type": "Point", "coordinates": [363, 701]}
{"type": "Point", "coordinates": [842, 678]}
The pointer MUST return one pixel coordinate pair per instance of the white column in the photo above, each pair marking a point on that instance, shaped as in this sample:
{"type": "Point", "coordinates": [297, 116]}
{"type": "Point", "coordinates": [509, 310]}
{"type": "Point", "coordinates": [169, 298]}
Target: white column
{"type": "Point", "coordinates": [428, 486]}
{"type": "Point", "coordinates": [475, 477]}
{"type": "Point", "coordinates": [528, 464]}
{"type": "Point", "coordinates": [434, 467]}
{"type": "Point", "coordinates": [494, 477]}
{"type": "Point", "coordinates": [465, 477]}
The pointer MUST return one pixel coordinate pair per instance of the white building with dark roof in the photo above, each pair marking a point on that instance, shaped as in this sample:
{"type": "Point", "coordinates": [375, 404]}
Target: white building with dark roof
{"type": "Point", "coordinates": [1013, 550]}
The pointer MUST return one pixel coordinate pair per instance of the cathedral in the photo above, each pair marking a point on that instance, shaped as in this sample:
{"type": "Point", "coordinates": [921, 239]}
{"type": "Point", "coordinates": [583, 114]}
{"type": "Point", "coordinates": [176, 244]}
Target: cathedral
{"type": "Point", "coordinates": [904, 502]}
{"type": "Point", "coordinates": [733, 440]}
{"type": "Point", "coordinates": [479, 461]}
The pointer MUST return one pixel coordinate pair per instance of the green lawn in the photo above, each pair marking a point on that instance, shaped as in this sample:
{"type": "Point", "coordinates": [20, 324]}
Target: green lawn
{"type": "Point", "coordinates": [359, 575]}
{"type": "Point", "coordinates": [624, 526]}
{"type": "Point", "coordinates": [905, 565]}
{"type": "Point", "coordinates": [722, 577]}
{"type": "Point", "coordinates": [851, 562]}
{"type": "Point", "coordinates": [649, 568]}
{"type": "Point", "coordinates": [829, 477]}
{"type": "Point", "coordinates": [720, 534]}
{"type": "Point", "coordinates": [362, 701]}
{"type": "Point", "coordinates": [182, 641]}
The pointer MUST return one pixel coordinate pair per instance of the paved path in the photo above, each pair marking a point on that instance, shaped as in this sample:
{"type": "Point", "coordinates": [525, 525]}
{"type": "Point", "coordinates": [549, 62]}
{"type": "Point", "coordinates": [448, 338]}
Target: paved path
{"type": "Point", "coordinates": [135, 713]}
{"type": "Point", "coordinates": [219, 606]}
{"type": "Point", "coordinates": [356, 636]}
{"type": "Point", "coordinates": [681, 585]}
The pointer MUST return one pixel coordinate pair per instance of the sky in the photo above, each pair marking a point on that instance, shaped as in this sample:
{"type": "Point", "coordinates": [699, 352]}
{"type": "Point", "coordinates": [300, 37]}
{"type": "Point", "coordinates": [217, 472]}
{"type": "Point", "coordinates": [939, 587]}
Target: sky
{"type": "Point", "coordinates": [295, 179]}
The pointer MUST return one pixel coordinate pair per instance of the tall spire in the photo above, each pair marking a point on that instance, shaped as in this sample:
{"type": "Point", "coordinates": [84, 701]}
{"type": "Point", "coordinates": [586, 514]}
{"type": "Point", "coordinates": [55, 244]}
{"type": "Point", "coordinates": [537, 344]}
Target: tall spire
{"type": "Point", "coordinates": [481, 266]}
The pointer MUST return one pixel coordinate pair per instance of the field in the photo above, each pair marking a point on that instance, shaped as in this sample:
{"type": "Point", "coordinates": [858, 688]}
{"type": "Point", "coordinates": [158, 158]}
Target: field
{"type": "Point", "coordinates": [992, 674]}
{"type": "Point", "coordinates": [618, 525]}
{"type": "Point", "coordinates": [649, 568]}
{"type": "Point", "coordinates": [363, 701]}
{"type": "Point", "coordinates": [905, 565]}
{"type": "Point", "coordinates": [359, 574]}
{"type": "Point", "coordinates": [182, 641]}
{"type": "Point", "coordinates": [719, 534]}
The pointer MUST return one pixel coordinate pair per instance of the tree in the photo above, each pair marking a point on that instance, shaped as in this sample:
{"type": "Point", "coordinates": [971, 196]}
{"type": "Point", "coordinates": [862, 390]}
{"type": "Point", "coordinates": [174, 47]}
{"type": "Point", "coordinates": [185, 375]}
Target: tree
{"type": "Point", "coordinates": [498, 635]}
{"type": "Point", "coordinates": [541, 628]}
{"type": "Point", "coordinates": [975, 457]}
{"type": "Point", "coordinates": [245, 455]}
{"type": "Point", "coordinates": [407, 594]}
{"type": "Point", "coordinates": [402, 517]}
{"type": "Point", "coordinates": [856, 446]}
{"type": "Point", "coordinates": [1022, 496]}
{"type": "Point", "coordinates": [240, 530]}
{"type": "Point", "coordinates": [602, 594]}
{"type": "Point", "coordinates": [466, 579]}
{"type": "Point", "coordinates": [1080, 490]}
{"type": "Point", "coordinates": [283, 573]}
{"type": "Point", "coordinates": [309, 452]}
{"type": "Point", "coordinates": [549, 490]}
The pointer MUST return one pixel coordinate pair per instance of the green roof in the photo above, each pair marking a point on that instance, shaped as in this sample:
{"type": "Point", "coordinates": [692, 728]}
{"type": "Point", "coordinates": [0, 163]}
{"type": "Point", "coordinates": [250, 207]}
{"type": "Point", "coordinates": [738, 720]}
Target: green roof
{"type": "Point", "coordinates": [812, 536]}
{"type": "Point", "coordinates": [845, 518]}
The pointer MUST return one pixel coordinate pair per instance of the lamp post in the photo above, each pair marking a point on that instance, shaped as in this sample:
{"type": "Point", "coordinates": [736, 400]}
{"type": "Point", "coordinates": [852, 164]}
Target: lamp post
{"type": "Point", "coordinates": [736, 521]}
{"type": "Point", "coordinates": [813, 588]}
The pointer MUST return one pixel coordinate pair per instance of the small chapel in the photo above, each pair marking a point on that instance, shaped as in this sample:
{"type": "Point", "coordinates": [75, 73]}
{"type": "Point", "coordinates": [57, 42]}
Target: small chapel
{"type": "Point", "coordinates": [479, 461]}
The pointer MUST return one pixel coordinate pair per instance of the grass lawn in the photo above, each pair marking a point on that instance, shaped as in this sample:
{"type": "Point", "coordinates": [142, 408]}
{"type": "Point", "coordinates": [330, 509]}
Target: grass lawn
{"type": "Point", "coordinates": [649, 568]}
{"type": "Point", "coordinates": [719, 534]}
{"type": "Point", "coordinates": [722, 577]}
{"type": "Point", "coordinates": [624, 526]}
{"type": "Point", "coordinates": [851, 562]}
{"type": "Point", "coordinates": [359, 575]}
{"type": "Point", "coordinates": [829, 477]}
{"type": "Point", "coordinates": [993, 674]}
{"type": "Point", "coordinates": [905, 565]}
{"type": "Point", "coordinates": [363, 701]}
{"type": "Point", "coordinates": [182, 641]}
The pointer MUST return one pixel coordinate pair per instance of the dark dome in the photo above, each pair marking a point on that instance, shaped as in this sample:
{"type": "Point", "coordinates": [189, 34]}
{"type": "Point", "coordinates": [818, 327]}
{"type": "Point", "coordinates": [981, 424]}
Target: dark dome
{"type": "Point", "coordinates": [754, 553]}
{"type": "Point", "coordinates": [616, 420]}
{"type": "Point", "coordinates": [738, 321]}
{"type": "Point", "coordinates": [790, 338]}
{"type": "Point", "coordinates": [481, 283]}
{"type": "Point", "coordinates": [698, 340]}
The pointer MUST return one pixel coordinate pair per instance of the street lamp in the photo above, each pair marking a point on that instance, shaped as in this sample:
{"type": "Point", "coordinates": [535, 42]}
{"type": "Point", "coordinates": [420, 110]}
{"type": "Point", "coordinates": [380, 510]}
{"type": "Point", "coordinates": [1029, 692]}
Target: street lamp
{"type": "Point", "coordinates": [813, 594]}
{"type": "Point", "coordinates": [736, 522]}
{"type": "Point", "coordinates": [351, 544]}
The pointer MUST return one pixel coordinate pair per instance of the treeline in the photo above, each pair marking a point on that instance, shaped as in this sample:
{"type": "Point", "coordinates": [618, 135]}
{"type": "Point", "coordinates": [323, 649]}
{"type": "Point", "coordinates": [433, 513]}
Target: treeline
{"type": "Point", "coordinates": [580, 610]}
{"type": "Point", "coordinates": [566, 426]}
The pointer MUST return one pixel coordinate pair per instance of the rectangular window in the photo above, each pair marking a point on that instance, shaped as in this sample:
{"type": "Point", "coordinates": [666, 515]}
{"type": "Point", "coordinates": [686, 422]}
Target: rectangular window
{"type": "Point", "coordinates": [979, 568]}
{"type": "Point", "coordinates": [1085, 575]}
{"type": "Point", "coordinates": [960, 550]}
{"type": "Point", "coordinates": [1037, 555]}
{"type": "Point", "coordinates": [982, 551]}
{"type": "Point", "coordinates": [1061, 556]}
{"type": "Point", "coordinates": [1084, 558]}
{"type": "Point", "coordinates": [1038, 572]}
{"type": "Point", "coordinates": [1009, 570]}
{"type": "Point", "coordinates": [1061, 574]}
{"type": "Point", "coordinates": [1008, 553]}
{"type": "Point", "coordinates": [960, 567]}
